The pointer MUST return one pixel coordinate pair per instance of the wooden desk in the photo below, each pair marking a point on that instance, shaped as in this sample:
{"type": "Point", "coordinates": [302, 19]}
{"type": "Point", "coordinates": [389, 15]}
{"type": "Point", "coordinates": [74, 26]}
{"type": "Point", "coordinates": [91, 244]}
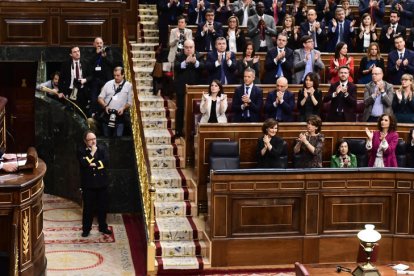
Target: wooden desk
{"type": "Point", "coordinates": [330, 270]}
{"type": "Point", "coordinates": [21, 221]}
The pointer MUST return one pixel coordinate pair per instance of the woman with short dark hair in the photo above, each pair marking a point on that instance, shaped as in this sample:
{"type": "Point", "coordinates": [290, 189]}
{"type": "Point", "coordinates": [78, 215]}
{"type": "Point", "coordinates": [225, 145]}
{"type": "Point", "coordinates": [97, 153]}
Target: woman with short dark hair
{"type": "Point", "coordinates": [309, 97]}
{"type": "Point", "coordinates": [343, 158]}
{"type": "Point", "coordinates": [269, 146]}
{"type": "Point", "coordinates": [310, 144]}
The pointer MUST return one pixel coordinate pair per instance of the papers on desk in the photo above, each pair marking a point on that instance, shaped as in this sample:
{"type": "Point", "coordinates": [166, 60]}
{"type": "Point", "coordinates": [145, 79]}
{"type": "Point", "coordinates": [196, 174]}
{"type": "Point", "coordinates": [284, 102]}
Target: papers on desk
{"type": "Point", "coordinates": [19, 163]}
{"type": "Point", "coordinates": [405, 272]}
{"type": "Point", "coordinates": [401, 269]}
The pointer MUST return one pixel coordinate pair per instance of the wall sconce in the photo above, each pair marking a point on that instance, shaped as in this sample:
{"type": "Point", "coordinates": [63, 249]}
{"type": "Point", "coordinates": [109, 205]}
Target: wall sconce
{"type": "Point", "coordinates": [368, 240]}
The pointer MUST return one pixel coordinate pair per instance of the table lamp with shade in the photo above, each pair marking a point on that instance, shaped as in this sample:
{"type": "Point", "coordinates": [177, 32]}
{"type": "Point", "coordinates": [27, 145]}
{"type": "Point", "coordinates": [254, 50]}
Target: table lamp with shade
{"type": "Point", "coordinates": [368, 240]}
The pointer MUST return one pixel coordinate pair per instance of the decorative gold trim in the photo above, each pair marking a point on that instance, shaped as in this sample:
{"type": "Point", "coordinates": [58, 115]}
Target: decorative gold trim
{"type": "Point", "coordinates": [16, 261]}
{"type": "Point", "coordinates": [25, 240]}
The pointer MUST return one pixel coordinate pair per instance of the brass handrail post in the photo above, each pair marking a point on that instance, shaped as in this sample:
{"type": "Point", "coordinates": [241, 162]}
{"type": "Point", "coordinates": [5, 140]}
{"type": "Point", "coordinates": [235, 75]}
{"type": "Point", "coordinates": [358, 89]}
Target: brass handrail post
{"type": "Point", "coordinates": [151, 244]}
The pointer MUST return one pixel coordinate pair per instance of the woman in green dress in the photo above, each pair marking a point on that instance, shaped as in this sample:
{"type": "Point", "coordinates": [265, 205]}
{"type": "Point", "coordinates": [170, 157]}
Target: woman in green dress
{"type": "Point", "coordinates": [343, 158]}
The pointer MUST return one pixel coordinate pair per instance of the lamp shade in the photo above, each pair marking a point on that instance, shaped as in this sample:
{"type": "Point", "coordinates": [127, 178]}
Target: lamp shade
{"type": "Point", "coordinates": [369, 234]}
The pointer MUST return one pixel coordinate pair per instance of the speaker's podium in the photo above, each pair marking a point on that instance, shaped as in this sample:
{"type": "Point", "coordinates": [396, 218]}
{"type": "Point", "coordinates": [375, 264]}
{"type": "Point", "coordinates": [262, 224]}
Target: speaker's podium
{"type": "Point", "coordinates": [22, 247]}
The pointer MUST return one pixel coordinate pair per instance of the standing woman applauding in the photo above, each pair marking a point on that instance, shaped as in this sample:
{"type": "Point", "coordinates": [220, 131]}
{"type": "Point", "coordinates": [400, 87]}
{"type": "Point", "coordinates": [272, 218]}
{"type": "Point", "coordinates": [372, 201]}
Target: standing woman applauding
{"type": "Point", "coordinates": [403, 101]}
{"type": "Point", "coordinates": [340, 59]}
{"type": "Point", "coordinates": [366, 34]}
{"type": "Point", "coordinates": [310, 144]}
{"type": "Point", "coordinates": [214, 104]}
{"type": "Point", "coordinates": [382, 143]}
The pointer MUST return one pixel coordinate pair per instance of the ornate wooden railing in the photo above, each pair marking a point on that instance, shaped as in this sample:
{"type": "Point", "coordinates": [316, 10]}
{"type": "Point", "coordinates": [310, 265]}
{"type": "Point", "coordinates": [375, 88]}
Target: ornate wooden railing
{"type": "Point", "coordinates": [144, 172]}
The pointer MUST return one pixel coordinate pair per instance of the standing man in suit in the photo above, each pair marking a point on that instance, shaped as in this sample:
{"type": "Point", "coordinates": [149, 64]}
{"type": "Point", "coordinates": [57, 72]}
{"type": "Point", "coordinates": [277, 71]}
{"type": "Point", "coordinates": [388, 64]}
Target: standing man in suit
{"type": "Point", "coordinates": [388, 32]}
{"type": "Point", "coordinates": [306, 60]}
{"type": "Point", "coordinates": [74, 74]}
{"type": "Point", "coordinates": [378, 97]}
{"type": "Point", "coordinates": [188, 66]}
{"type": "Point", "coordinates": [221, 65]}
{"type": "Point", "coordinates": [280, 102]}
{"type": "Point", "coordinates": [247, 100]}
{"type": "Point", "coordinates": [208, 32]}
{"type": "Point", "coordinates": [101, 63]}
{"type": "Point", "coordinates": [376, 8]}
{"type": "Point", "coordinates": [197, 11]}
{"type": "Point", "coordinates": [314, 29]}
{"type": "Point", "coordinates": [177, 37]}
{"type": "Point", "coordinates": [261, 28]}
{"type": "Point", "coordinates": [342, 96]}
{"type": "Point", "coordinates": [400, 61]}
{"type": "Point", "coordinates": [340, 30]}
{"type": "Point", "coordinates": [168, 12]}
{"type": "Point", "coordinates": [406, 10]}
{"type": "Point", "coordinates": [279, 61]}
{"type": "Point", "coordinates": [93, 161]}
{"type": "Point", "coordinates": [243, 9]}
{"type": "Point", "coordinates": [276, 9]}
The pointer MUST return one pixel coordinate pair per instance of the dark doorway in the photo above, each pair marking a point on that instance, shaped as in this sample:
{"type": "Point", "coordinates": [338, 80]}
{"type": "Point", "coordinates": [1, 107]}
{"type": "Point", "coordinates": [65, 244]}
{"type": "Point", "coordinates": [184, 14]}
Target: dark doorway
{"type": "Point", "coordinates": [18, 84]}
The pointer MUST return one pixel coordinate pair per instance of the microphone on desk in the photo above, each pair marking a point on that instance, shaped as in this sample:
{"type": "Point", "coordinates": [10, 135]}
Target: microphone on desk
{"type": "Point", "coordinates": [339, 269]}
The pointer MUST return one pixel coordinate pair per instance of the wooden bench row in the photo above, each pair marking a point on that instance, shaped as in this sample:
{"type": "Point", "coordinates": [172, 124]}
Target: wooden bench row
{"type": "Point", "coordinates": [193, 99]}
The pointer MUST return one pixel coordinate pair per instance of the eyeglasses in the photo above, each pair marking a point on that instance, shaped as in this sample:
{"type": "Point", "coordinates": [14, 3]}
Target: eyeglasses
{"type": "Point", "coordinates": [406, 79]}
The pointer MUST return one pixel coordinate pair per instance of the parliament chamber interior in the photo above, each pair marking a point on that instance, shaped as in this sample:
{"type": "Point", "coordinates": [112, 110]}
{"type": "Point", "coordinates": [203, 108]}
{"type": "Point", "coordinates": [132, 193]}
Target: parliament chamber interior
{"type": "Point", "coordinates": [230, 158]}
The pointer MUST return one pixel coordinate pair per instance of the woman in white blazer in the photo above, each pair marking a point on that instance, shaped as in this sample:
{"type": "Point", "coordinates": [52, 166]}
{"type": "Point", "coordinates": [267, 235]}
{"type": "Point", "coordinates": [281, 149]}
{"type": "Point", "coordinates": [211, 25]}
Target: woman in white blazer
{"type": "Point", "coordinates": [177, 37]}
{"type": "Point", "coordinates": [214, 104]}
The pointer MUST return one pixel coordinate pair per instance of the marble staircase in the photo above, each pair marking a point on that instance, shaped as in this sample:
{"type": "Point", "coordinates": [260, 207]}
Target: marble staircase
{"type": "Point", "coordinates": [178, 231]}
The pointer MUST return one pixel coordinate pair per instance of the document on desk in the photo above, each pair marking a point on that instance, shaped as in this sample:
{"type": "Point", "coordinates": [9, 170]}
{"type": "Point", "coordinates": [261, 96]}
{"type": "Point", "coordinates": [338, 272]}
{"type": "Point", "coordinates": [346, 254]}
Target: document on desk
{"type": "Point", "coordinates": [400, 267]}
{"type": "Point", "coordinates": [405, 272]}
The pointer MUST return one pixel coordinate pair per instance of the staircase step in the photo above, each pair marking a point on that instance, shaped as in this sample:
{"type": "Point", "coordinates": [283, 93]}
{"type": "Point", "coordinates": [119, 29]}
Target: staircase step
{"type": "Point", "coordinates": [151, 101]}
{"type": "Point", "coordinates": [175, 209]}
{"type": "Point", "coordinates": [169, 162]}
{"type": "Point", "coordinates": [143, 54]}
{"type": "Point", "coordinates": [176, 229]}
{"type": "Point", "coordinates": [152, 112]}
{"type": "Point", "coordinates": [147, 17]}
{"type": "Point", "coordinates": [143, 82]}
{"type": "Point", "coordinates": [145, 89]}
{"type": "Point", "coordinates": [143, 12]}
{"type": "Point", "coordinates": [161, 136]}
{"type": "Point", "coordinates": [179, 263]}
{"type": "Point", "coordinates": [174, 194]}
{"type": "Point", "coordinates": [149, 39]}
{"type": "Point", "coordinates": [144, 46]}
{"type": "Point", "coordinates": [180, 248]}
{"type": "Point", "coordinates": [157, 123]}
{"type": "Point", "coordinates": [149, 33]}
{"type": "Point", "coordinates": [166, 178]}
{"type": "Point", "coordinates": [147, 25]}
{"type": "Point", "coordinates": [160, 150]}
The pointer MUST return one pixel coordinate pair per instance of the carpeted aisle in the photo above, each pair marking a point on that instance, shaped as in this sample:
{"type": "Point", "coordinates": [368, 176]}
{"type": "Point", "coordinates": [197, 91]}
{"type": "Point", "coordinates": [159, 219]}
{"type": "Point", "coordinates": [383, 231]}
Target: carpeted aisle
{"type": "Point", "coordinates": [68, 253]}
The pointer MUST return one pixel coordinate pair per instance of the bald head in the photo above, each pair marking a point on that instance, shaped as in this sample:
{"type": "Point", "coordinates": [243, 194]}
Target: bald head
{"type": "Point", "coordinates": [377, 74]}
{"type": "Point", "coordinates": [281, 84]}
{"type": "Point", "coordinates": [189, 48]}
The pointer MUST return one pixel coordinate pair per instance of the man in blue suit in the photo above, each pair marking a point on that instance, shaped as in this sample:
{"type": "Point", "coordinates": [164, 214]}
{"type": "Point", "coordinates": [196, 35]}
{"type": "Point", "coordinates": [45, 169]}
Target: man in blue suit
{"type": "Point", "coordinates": [374, 7]}
{"type": "Point", "coordinates": [221, 65]}
{"type": "Point", "coordinates": [406, 10]}
{"type": "Point", "coordinates": [279, 61]}
{"type": "Point", "coordinates": [400, 61]}
{"type": "Point", "coordinates": [207, 33]}
{"type": "Point", "coordinates": [314, 29]}
{"type": "Point", "coordinates": [197, 11]}
{"type": "Point", "coordinates": [280, 102]}
{"type": "Point", "coordinates": [247, 100]}
{"type": "Point", "coordinates": [340, 30]}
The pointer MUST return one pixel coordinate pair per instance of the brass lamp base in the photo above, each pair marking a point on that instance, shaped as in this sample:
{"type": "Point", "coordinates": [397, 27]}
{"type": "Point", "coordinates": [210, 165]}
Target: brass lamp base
{"type": "Point", "coordinates": [363, 270]}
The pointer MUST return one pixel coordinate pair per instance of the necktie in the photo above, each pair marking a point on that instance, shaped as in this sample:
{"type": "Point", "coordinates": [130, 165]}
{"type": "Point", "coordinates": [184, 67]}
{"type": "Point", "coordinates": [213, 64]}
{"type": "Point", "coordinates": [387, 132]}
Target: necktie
{"type": "Point", "coordinates": [223, 75]}
{"type": "Point", "coordinates": [278, 113]}
{"type": "Point", "coordinates": [314, 36]}
{"type": "Point", "coordinates": [77, 70]}
{"type": "Point", "coordinates": [279, 72]}
{"type": "Point", "coordinates": [341, 33]}
{"type": "Point", "coordinates": [308, 66]}
{"type": "Point", "coordinates": [275, 15]}
{"type": "Point", "coordinates": [246, 113]}
{"type": "Point", "coordinates": [401, 56]}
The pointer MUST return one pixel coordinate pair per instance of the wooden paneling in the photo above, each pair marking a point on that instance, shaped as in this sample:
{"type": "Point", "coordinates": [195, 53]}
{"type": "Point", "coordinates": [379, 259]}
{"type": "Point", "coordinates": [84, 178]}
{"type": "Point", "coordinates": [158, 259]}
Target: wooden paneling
{"type": "Point", "coordinates": [315, 224]}
{"type": "Point", "coordinates": [61, 23]}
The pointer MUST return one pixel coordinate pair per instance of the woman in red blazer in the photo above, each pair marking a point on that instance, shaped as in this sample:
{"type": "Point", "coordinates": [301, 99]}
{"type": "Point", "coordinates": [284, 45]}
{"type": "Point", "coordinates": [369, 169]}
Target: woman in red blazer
{"type": "Point", "coordinates": [382, 143]}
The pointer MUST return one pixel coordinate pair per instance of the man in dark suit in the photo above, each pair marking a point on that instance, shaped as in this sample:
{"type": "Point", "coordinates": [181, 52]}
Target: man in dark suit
{"type": "Point", "coordinates": [101, 64]}
{"type": "Point", "coordinates": [208, 32]}
{"type": "Point", "coordinates": [410, 40]}
{"type": "Point", "coordinates": [247, 100]}
{"type": "Point", "coordinates": [325, 9]}
{"type": "Point", "coordinates": [280, 102]}
{"type": "Point", "coordinates": [342, 96]}
{"type": "Point", "coordinates": [74, 74]}
{"type": "Point", "coordinates": [375, 8]}
{"type": "Point", "coordinates": [406, 10]}
{"type": "Point", "coordinates": [388, 32]}
{"type": "Point", "coordinates": [314, 29]}
{"type": "Point", "coordinates": [243, 9]}
{"type": "Point", "coordinates": [168, 12]}
{"type": "Point", "coordinates": [197, 11]}
{"type": "Point", "coordinates": [279, 61]}
{"type": "Point", "coordinates": [400, 61]}
{"type": "Point", "coordinates": [188, 66]}
{"type": "Point", "coordinates": [93, 161]}
{"type": "Point", "coordinates": [340, 30]}
{"type": "Point", "coordinates": [276, 9]}
{"type": "Point", "coordinates": [221, 65]}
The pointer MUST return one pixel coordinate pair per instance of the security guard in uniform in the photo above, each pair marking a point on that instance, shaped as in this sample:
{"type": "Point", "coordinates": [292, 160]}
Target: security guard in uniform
{"type": "Point", "coordinates": [93, 161]}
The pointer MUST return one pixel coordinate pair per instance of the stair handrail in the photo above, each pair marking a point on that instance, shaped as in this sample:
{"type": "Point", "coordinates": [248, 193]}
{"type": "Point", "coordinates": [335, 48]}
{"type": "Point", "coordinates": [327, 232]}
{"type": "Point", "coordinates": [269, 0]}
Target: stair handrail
{"type": "Point", "coordinates": [141, 154]}
{"type": "Point", "coordinates": [14, 252]}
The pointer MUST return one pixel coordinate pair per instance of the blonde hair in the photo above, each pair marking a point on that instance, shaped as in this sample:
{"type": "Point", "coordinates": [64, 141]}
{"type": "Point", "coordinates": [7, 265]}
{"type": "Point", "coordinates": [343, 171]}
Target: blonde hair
{"type": "Point", "coordinates": [411, 78]}
{"type": "Point", "coordinates": [369, 50]}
